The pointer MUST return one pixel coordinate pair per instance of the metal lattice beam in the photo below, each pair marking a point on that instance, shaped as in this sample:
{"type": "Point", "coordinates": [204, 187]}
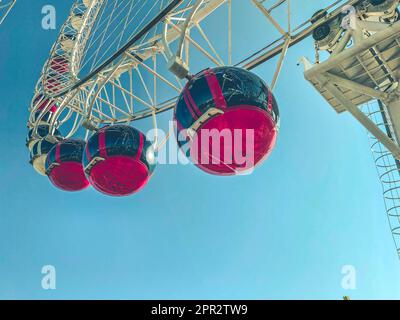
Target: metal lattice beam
{"type": "Point", "coordinates": [5, 10]}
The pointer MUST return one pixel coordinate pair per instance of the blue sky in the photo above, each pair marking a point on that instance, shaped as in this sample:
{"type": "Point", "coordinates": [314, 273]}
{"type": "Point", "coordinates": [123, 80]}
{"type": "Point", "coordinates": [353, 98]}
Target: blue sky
{"type": "Point", "coordinates": [284, 232]}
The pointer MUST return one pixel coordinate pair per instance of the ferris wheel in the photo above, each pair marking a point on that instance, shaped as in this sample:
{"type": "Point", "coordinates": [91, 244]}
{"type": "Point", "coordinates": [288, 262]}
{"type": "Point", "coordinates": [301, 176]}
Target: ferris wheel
{"type": "Point", "coordinates": [118, 63]}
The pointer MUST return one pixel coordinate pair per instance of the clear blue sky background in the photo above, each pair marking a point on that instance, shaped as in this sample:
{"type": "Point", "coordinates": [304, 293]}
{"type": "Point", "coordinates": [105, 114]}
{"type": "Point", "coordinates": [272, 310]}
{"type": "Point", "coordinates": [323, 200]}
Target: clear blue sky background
{"type": "Point", "coordinates": [283, 232]}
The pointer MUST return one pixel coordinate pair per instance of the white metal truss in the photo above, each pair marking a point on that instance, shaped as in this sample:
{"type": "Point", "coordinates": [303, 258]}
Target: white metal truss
{"type": "Point", "coordinates": [128, 86]}
{"type": "Point", "coordinates": [361, 76]}
{"type": "Point", "coordinates": [5, 9]}
{"type": "Point", "coordinates": [366, 71]}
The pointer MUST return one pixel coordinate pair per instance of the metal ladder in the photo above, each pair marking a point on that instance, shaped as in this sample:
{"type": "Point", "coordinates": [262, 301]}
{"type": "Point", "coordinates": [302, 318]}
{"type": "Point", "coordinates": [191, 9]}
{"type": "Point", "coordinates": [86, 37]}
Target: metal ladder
{"type": "Point", "coordinates": [387, 166]}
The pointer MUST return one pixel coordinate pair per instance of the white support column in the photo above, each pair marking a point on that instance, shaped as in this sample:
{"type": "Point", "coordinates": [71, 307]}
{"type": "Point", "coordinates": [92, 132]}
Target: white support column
{"type": "Point", "coordinates": [360, 116]}
{"type": "Point", "coordinates": [393, 108]}
{"type": "Point", "coordinates": [373, 93]}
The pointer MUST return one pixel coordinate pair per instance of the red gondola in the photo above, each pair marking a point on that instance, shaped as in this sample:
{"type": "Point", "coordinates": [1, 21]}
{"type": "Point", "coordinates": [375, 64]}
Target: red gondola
{"type": "Point", "coordinates": [227, 120]}
{"type": "Point", "coordinates": [40, 132]}
{"type": "Point", "coordinates": [38, 154]}
{"type": "Point", "coordinates": [119, 160]}
{"type": "Point", "coordinates": [64, 166]}
{"type": "Point", "coordinates": [59, 64]}
{"type": "Point", "coordinates": [43, 103]}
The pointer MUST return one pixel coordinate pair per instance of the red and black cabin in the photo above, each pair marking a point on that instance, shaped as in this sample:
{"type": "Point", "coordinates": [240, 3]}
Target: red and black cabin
{"type": "Point", "coordinates": [227, 98]}
{"type": "Point", "coordinates": [64, 165]}
{"type": "Point", "coordinates": [118, 160]}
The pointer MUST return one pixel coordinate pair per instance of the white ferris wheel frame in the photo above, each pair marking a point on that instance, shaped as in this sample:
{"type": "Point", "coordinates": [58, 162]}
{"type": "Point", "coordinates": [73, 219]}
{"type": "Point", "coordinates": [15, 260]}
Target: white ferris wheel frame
{"type": "Point", "coordinates": [86, 98]}
{"type": "Point", "coordinates": [7, 7]}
